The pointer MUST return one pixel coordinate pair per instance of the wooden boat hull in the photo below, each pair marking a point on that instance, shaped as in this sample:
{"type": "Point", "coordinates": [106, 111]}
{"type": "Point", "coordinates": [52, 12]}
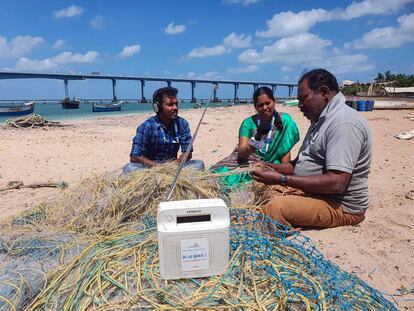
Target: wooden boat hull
{"type": "Point", "coordinates": [70, 104]}
{"type": "Point", "coordinates": [17, 110]}
{"type": "Point", "coordinates": [106, 107]}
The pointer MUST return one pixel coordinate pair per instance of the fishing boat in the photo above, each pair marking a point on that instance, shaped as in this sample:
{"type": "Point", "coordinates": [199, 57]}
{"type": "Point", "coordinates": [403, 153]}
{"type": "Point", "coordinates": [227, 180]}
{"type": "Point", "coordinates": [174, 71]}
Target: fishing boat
{"type": "Point", "coordinates": [17, 109]}
{"type": "Point", "coordinates": [68, 103]}
{"type": "Point", "coordinates": [293, 102]}
{"type": "Point", "coordinates": [101, 107]}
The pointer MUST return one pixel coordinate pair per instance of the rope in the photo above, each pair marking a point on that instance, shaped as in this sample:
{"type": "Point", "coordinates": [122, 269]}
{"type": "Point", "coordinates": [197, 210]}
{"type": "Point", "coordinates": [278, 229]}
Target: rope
{"type": "Point", "coordinates": [18, 184]}
{"type": "Point", "coordinates": [31, 120]}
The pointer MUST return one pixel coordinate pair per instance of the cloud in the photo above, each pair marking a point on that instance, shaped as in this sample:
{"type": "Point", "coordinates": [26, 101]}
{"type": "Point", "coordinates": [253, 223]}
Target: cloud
{"type": "Point", "coordinates": [242, 2]}
{"type": "Point", "coordinates": [369, 7]}
{"type": "Point", "coordinates": [204, 51]}
{"type": "Point", "coordinates": [388, 37]}
{"type": "Point", "coordinates": [70, 11]}
{"type": "Point", "coordinates": [247, 69]}
{"type": "Point", "coordinates": [130, 50]}
{"type": "Point", "coordinates": [211, 75]}
{"type": "Point", "coordinates": [347, 63]}
{"type": "Point", "coordinates": [63, 58]}
{"type": "Point", "coordinates": [98, 22]}
{"type": "Point", "coordinates": [290, 23]}
{"type": "Point", "coordinates": [237, 41]}
{"type": "Point", "coordinates": [231, 41]}
{"type": "Point", "coordinates": [307, 49]}
{"type": "Point", "coordinates": [173, 29]}
{"type": "Point", "coordinates": [59, 44]}
{"type": "Point", "coordinates": [295, 49]}
{"type": "Point", "coordinates": [287, 69]}
{"type": "Point", "coordinates": [18, 46]}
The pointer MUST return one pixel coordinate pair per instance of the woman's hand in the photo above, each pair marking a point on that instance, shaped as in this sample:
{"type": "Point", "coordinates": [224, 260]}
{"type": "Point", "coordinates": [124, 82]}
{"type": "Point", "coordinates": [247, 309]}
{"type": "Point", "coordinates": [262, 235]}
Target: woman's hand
{"type": "Point", "coordinates": [244, 149]}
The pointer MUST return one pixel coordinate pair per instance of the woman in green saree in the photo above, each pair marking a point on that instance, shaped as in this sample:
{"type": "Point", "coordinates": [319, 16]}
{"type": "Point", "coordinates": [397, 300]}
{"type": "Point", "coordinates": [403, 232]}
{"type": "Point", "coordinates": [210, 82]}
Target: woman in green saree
{"type": "Point", "coordinates": [267, 136]}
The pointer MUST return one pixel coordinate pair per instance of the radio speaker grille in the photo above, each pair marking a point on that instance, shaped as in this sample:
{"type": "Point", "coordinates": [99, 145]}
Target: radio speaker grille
{"type": "Point", "coordinates": [218, 254]}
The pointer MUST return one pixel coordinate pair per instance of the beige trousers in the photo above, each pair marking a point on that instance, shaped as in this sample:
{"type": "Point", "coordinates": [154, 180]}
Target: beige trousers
{"type": "Point", "coordinates": [294, 208]}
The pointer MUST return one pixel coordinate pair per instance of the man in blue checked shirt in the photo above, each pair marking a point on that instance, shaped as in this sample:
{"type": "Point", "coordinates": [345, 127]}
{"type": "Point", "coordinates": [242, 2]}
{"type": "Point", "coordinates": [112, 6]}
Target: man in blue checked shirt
{"type": "Point", "coordinates": [159, 138]}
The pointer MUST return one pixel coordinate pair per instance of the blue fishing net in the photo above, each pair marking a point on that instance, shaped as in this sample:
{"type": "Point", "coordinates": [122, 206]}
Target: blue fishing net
{"type": "Point", "coordinates": [271, 268]}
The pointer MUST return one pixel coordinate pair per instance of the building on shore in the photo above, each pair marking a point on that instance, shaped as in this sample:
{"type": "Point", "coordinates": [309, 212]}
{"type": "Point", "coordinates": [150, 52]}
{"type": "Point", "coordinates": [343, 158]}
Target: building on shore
{"type": "Point", "coordinates": [399, 91]}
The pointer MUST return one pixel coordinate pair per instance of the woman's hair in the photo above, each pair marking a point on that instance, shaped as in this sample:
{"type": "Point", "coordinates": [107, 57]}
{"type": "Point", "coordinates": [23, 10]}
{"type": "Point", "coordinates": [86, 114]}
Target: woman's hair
{"type": "Point", "coordinates": [264, 90]}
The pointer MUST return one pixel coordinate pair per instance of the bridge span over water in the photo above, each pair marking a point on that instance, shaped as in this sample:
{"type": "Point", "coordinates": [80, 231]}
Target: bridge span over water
{"type": "Point", "coordinates": [143, 80]}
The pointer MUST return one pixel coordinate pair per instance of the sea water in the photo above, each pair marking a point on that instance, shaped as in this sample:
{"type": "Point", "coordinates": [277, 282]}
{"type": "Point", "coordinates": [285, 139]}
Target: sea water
{"type": "Point", "coordinates": [53, 111]}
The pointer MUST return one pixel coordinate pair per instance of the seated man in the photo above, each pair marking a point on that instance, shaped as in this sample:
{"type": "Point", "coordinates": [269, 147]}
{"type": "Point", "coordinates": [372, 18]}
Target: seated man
{"type": "Point", "coordinates": [159, 138]}
{"type": "Point", "coordinates": [333, 163]}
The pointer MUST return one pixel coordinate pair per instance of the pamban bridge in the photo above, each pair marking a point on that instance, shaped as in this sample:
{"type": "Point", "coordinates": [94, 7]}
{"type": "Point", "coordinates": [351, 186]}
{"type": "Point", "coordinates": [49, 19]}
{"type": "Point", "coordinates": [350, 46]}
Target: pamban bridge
{"type": "Point", "coordinates": [143, 81]}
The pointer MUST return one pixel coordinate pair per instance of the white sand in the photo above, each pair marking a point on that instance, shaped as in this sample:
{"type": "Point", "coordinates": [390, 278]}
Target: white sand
{"type": "Point", "coordinates": [380, 250]}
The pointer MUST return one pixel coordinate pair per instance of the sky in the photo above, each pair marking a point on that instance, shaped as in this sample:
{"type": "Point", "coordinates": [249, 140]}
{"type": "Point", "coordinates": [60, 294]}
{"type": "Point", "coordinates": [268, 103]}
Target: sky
{"type": "Point", "coordinates": [258, 40]}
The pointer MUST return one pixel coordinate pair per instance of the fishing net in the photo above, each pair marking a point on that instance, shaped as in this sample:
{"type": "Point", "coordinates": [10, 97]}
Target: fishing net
{"type": "Point", "coordinates": [68, 264]}
{"type": "Point", "coordinates": [31, 120]}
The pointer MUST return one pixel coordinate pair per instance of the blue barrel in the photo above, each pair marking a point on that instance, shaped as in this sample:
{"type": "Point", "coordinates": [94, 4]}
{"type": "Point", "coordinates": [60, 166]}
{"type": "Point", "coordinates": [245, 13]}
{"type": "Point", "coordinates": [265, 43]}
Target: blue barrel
{"type": "Point", "coordinates": [369, 105]}
{"type": "Point", "coordinates": [362, 105]}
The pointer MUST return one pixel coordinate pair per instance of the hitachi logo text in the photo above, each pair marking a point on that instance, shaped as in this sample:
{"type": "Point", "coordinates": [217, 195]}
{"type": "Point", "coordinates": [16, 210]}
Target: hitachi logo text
{"type": "Point", "coordinates": [194, 211]}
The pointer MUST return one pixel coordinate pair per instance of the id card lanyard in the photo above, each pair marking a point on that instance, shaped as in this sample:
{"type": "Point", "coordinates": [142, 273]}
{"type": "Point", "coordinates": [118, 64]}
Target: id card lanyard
{"type": "Point", "coordinates": [171, 140]}
{"type": "Point", "coordinates": [269, 135]}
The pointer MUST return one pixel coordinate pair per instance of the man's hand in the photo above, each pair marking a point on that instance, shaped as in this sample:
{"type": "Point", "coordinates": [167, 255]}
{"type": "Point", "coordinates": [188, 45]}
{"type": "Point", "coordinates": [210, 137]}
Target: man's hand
{"type": "Point", "coordinates": [262, 165]}
{"type": "Point", "coordinates": [267, 176]}
{"type": "Point", "coordinates": [143, 160]}
{"type": "Point", "coordinates": [181, 158]}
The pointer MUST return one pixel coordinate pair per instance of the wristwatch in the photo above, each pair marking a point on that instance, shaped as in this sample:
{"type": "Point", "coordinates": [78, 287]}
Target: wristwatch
{"type": "Point", "coordinates": [284, 180]}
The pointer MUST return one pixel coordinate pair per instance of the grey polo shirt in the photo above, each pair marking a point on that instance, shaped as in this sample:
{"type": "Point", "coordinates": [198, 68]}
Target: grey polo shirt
{"type": "Point", "coordinates": [340, 140]}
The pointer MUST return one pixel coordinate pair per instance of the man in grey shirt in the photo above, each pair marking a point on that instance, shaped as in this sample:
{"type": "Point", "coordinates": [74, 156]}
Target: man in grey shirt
{"type": "Point", "coordinates": [332, 166]}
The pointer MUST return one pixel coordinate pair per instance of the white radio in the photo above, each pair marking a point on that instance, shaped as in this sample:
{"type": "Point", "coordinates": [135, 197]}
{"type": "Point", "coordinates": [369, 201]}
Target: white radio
{"type": "Point", "coordinates": [193, 238]}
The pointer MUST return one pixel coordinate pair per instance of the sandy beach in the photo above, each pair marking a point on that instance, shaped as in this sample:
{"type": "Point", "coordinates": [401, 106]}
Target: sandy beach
{"type": "Point", "coordinates": [380, 250]}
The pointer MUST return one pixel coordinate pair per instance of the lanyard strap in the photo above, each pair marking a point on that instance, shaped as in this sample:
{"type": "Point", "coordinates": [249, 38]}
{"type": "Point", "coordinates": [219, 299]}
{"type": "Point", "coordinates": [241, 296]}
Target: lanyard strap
{"type": "Point", "coordinates": [176, 136]}
{"type": "Point", "coordinates": [269, 135]}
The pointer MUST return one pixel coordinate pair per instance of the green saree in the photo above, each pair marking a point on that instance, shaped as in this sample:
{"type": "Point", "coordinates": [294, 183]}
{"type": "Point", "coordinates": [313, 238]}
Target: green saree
{"type": "Point", "coordinates": [281, 143]}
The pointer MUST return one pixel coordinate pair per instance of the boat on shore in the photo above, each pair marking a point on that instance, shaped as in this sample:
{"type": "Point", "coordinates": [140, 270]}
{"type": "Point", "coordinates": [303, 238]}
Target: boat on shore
{"type": "Point", "coordinates": [17, 109]}
{"type": "Point", "coordinates": [101, 107]}
{"type": "Point", "coordinates": [68, 103]}
{"type": "Point", "coordinates": [292, 102]}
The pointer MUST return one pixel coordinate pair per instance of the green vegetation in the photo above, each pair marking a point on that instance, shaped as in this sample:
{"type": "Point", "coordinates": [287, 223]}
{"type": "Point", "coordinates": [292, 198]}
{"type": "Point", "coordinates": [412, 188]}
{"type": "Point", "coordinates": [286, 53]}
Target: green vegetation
{"type": "Point", "coordinates": [401, 79]}
{"type": "Point", "coordinates": [354, 89]}
{"type": "Point", "coordinates": [397, 80]}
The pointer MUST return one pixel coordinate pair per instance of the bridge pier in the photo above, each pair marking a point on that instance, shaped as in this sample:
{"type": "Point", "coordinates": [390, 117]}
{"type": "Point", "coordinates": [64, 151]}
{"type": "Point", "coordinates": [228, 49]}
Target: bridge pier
{"type": "Point", "coordinates": [215, 99]}
{"type": "Point", "coordinates": [114, 98]}
{"type": "Point", "coordinates": [274, 90]}
{"type": "Point", "coordinates": [142, 79]}
{"type": "Point", "coordinates": [236, 89]}
{"type": "Point", "coordinates": [193, 98]}
{"type": "Point", "coordinates": [66, 88]}
{"type": "Point", "coordinates": [143, 99]}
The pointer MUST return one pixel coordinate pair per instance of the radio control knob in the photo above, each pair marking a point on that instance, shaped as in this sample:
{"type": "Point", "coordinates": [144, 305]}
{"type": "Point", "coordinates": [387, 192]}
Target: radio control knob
{"type": "Point", "coordinates": [169, 218]}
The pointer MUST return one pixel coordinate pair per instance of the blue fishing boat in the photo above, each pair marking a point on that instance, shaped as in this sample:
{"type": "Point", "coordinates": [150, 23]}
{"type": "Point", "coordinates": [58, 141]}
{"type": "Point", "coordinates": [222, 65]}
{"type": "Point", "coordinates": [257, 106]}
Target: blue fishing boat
{"type": "Point", "coordinates": [100, 107]}
{"type": "Point", "coordinates": [17, 109]}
